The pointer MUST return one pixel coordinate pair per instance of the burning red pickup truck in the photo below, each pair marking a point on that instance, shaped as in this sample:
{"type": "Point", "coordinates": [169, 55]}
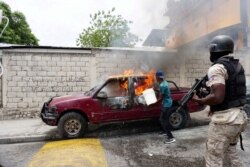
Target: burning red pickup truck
{"type": "Point", "coordinates": [117, 99]}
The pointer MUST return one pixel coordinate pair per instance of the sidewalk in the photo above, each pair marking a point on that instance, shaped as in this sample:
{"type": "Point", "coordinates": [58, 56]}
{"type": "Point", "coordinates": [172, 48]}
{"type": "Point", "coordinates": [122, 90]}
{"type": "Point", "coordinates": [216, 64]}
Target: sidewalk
{"type": "Point", "coordinates": [26, 130]}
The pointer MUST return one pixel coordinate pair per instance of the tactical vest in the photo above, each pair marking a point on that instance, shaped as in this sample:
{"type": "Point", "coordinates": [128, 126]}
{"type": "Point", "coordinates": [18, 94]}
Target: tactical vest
{"type": "Point", "coordinates": [235, 92]}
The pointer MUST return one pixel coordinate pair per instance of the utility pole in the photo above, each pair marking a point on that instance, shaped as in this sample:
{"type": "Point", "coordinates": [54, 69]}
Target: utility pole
{"type": "Point", "coordinates": [7, 23]}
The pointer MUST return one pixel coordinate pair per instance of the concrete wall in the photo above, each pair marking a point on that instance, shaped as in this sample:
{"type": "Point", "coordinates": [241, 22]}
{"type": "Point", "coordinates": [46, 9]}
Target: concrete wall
{"type": "Point", "coordinates": [32, 76]}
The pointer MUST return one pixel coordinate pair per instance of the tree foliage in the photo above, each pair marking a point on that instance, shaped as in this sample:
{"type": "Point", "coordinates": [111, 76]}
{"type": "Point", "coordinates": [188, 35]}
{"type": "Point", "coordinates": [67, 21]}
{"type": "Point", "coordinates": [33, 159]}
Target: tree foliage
{"type": "Point", "coordinates": [106, 30]}
{"type": "Point", "coordinates": [18, 30]}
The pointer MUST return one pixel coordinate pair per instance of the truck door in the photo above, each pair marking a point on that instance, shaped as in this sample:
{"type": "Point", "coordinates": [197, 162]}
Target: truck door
{"type": "Point", "coordinates": [117, 105]}
{"type": "Point", "coordinates": [142, 110]}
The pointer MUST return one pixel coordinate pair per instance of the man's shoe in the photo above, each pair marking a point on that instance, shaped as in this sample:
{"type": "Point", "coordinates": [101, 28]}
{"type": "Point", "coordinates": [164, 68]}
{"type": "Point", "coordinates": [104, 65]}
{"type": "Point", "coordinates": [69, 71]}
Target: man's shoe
{"type": "Point", "coordinates": [162, 133]}
{"type": "Point", "coordinates": [168, 141]}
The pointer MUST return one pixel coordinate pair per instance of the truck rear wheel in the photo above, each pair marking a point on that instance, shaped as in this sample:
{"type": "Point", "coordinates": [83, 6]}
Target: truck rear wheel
{"type": "Point", "coordinates": [72, 125]}
{"type": "Point", "coordinates": [177, 120]}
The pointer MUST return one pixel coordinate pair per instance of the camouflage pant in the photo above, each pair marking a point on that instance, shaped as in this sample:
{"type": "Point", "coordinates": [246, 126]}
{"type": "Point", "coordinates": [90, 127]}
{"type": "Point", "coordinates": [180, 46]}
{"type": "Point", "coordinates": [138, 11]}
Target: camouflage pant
{"type": "Point", "coordinates": [219, 144]}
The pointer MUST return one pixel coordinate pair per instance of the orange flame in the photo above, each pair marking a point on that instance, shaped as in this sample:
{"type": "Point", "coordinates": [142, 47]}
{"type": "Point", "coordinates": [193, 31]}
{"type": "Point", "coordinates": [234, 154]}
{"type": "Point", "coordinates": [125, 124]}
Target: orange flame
{"type": "Point", "coordinates": [146, 84]}
{"type": "Point", "coordinates": [141, 84]}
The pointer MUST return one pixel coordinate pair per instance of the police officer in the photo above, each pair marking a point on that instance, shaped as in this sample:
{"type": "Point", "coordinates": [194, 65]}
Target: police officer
{"type": "Point", "coordinates": [226, 80]}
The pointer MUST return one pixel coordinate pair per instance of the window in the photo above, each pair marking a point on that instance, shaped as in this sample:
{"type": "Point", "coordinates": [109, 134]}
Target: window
{"type": "Point", "coordinates": [142, 83]}
{"type": "Point", "coordinates": [116, 88]}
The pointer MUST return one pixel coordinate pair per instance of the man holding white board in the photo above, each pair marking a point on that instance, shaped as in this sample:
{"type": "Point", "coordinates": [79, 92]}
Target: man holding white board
{"type": "Point", "coordinates": [167, 101]}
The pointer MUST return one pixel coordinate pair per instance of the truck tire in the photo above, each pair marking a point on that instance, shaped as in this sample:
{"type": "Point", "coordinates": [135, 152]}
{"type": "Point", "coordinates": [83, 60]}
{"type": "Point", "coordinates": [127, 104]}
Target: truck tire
{"type": "Point", "coordinates": [72, 125]}
{"type": "Point", "coordinates": [177, 120]}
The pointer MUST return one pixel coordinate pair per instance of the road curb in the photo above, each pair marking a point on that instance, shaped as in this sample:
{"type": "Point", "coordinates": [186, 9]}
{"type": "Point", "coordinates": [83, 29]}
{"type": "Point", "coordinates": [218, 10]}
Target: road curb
{"type": "Point", "coordinates": [26, 139]}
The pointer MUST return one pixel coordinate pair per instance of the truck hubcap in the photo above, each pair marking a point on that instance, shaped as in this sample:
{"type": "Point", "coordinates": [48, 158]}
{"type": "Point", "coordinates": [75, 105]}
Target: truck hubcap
{"type": "Point", "coordinates": [175, 119]}
{"type": "Point", "coordinates": [72, 127]}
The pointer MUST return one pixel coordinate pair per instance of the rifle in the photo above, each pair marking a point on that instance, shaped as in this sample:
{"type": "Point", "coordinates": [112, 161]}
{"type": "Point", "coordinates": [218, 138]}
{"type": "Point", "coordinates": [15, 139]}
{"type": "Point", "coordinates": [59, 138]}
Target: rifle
{"type": "Point", "coordinates": [199, 87]}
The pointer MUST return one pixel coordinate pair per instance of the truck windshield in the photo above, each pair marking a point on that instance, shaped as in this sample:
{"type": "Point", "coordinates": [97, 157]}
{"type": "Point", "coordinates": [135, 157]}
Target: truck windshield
{"type": "Point", "coordinates": [92, 90]}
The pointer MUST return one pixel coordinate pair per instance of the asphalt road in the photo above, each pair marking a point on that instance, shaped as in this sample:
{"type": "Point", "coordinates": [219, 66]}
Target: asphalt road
{"type": "Point", "coordinates": [135, 150]}
{"type": "Point", "coordinates": [18, 155]}
{"type": "Point", "coordinates": [136, 147]}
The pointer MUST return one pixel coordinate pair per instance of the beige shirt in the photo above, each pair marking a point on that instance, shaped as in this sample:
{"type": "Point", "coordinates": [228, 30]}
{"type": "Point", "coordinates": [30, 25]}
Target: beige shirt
{"type": "Point", "coordinates": [217, 74]}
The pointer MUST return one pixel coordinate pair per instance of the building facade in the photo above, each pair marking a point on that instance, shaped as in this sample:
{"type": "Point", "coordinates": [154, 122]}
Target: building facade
{"type": "Point", "coordinates": [193, 23]}
{"type": "Point", "coordinates": [200, 20]}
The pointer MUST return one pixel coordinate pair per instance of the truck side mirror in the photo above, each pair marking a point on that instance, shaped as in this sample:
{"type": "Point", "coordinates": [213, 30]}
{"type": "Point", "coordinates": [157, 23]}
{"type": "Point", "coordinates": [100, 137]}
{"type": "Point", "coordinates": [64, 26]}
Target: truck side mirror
{"type": "Point", "coordinates": [102, 95]}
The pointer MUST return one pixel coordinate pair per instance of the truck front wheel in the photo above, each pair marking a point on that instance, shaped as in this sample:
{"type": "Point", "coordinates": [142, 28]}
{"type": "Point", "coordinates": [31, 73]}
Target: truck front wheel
{"type": "Point", "coordinates": [72, 125]}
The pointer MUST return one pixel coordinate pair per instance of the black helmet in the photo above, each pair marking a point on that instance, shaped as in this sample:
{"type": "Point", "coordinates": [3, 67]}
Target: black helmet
{"type": "Point", "coordinates": [221, 43]}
